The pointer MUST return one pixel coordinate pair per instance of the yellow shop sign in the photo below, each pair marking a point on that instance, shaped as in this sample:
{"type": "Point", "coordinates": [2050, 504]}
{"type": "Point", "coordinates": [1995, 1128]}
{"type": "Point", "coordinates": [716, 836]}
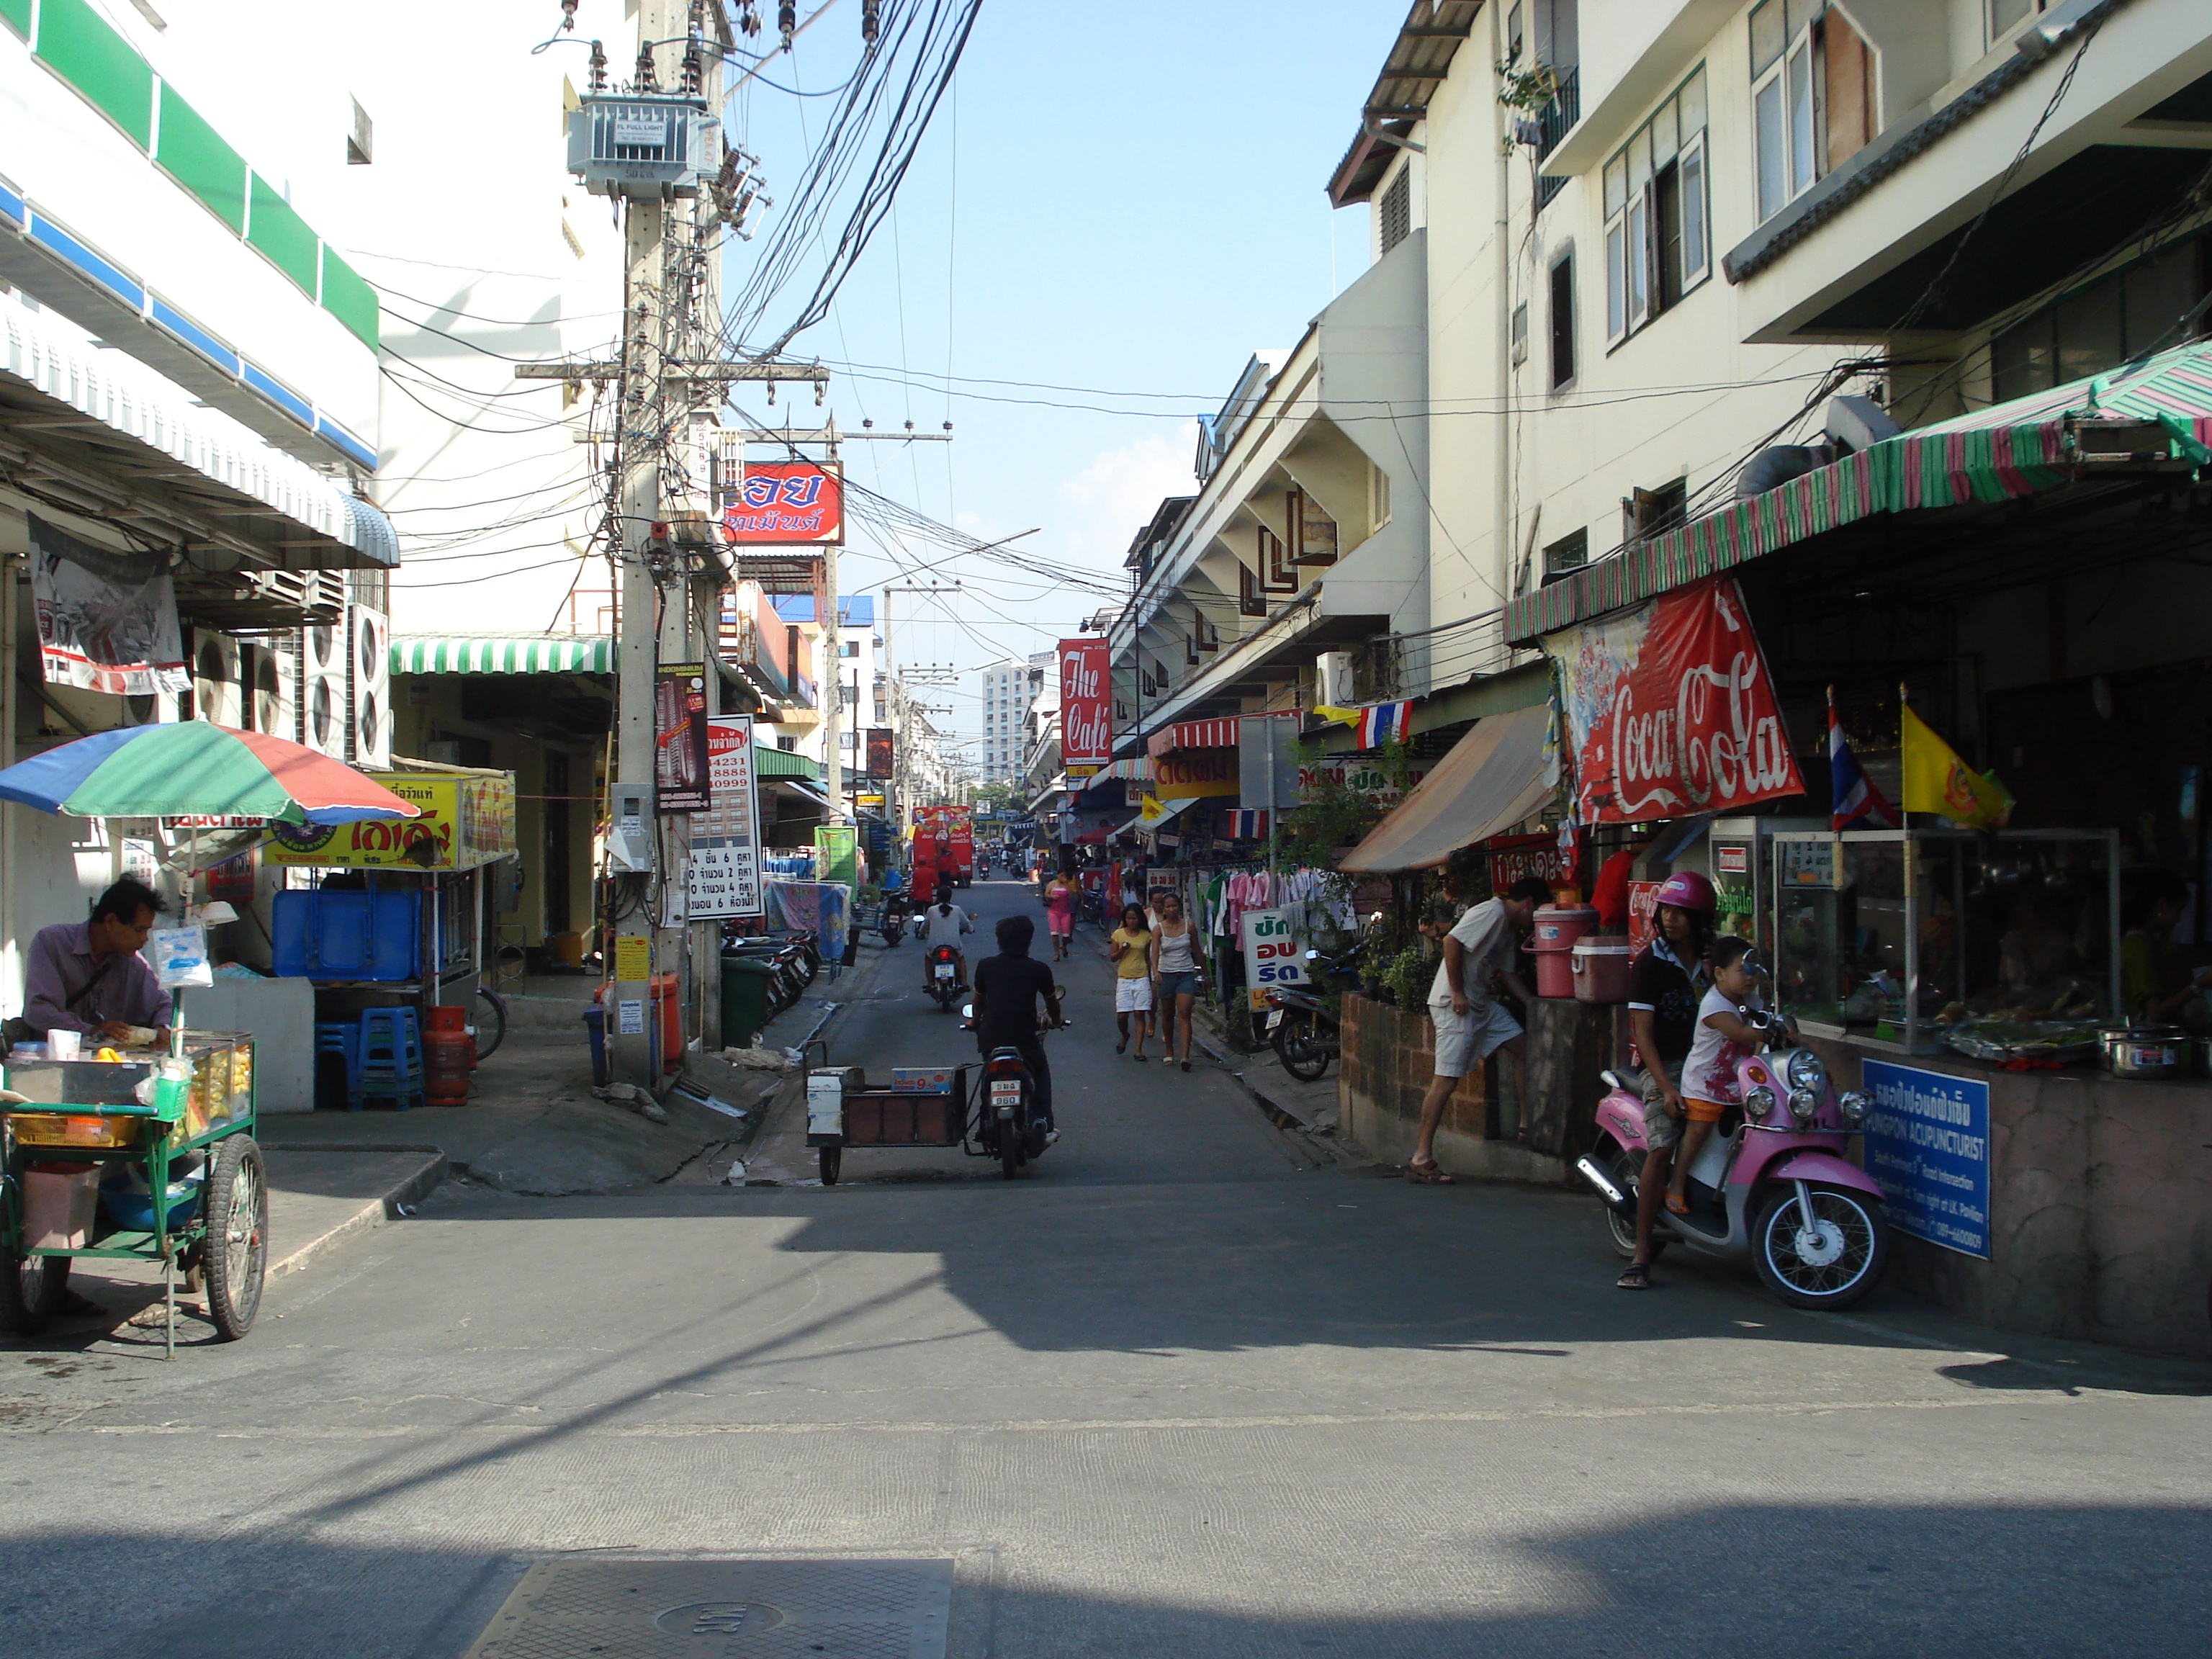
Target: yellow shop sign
{"type": "Point", "coordinates": [466, 822]}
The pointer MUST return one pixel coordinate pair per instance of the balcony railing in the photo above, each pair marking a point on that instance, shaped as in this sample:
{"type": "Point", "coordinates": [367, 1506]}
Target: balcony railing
{"type": "Point", "coordinates": [1553, 123]}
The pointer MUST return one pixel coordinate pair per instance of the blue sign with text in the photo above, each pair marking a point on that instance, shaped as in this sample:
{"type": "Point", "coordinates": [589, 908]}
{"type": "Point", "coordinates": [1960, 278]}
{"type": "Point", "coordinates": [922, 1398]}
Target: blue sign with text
{"type": "Point", "coordinates": [1927, 1144]}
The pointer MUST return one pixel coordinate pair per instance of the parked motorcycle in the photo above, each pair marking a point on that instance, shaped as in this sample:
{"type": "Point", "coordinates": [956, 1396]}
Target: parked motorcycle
{"type": "Point", "coordinates": [1302, 1021]}
{"type": "Point", "coordinates": [1773, 1182]}
{"type": "Point", "coordinates": [944, 976]}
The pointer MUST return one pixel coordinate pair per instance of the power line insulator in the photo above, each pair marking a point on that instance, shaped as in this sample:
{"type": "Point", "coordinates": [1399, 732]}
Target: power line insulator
{"type": "Point", "coordinates": [647, 79]}
{"type": "Point", "coordinates": [599, 66]}
{"type": "Point", "coordinates": [871, 21]}
{"type": "Point", "coordinates": [787, 20]}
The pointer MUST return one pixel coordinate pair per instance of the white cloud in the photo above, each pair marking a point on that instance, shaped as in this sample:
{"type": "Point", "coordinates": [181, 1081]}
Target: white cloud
{"type": "Point", "coordinates": [1114, 497]}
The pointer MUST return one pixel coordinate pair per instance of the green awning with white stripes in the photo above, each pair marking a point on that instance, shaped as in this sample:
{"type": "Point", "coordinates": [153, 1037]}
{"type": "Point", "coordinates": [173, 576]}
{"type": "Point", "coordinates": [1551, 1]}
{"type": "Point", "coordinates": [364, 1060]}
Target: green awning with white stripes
{"type": "Point", "coordinates": [502, 653]}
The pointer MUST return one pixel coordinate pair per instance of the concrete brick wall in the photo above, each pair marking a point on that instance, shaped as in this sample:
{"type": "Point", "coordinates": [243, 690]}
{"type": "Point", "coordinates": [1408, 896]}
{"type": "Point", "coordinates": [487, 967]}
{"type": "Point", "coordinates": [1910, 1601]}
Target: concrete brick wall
{"type": "Point", "coordinates": [2100, 1209]}
{"type": "Point", "coordinates": [1389, 1057]}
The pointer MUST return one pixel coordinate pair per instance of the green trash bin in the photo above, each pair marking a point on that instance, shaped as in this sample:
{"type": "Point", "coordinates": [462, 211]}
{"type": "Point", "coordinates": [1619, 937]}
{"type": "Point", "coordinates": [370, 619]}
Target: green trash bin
{"type": "Point", "coordinates": [745, 998]}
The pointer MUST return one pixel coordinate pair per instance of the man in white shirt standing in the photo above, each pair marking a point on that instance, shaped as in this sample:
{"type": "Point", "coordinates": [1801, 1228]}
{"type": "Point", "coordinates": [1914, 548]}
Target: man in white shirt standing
{"type": "Point", "coordinates": [1470, 1025]}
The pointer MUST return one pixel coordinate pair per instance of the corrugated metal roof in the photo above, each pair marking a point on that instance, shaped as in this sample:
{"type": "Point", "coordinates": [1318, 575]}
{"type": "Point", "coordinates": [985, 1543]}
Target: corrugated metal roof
{"type": "Point", "coordinates": [1421, 57]}
{"type": "Point", "coordinates": [1996, 454]}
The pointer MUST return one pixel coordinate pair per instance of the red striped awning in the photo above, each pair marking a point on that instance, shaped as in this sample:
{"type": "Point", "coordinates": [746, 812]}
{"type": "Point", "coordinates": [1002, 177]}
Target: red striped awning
{"type": "Point", "coordinates": [1193, 734]}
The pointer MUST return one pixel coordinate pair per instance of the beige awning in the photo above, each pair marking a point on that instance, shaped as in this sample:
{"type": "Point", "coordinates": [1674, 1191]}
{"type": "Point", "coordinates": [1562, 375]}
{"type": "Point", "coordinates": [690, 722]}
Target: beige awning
{"type": "Point", "coordinates": [1499, 774]}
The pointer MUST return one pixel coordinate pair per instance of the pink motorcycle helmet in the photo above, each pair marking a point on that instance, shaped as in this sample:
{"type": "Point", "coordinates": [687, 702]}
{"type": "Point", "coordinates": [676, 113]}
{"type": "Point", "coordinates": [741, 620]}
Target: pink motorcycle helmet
{"type": "Point", "coordinates": [1685, 890]}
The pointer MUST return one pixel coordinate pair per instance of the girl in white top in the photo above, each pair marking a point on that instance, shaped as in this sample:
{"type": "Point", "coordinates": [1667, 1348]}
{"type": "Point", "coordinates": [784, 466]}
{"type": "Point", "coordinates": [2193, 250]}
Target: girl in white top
{"type": "Point", "coordinates": [1723, 1039]}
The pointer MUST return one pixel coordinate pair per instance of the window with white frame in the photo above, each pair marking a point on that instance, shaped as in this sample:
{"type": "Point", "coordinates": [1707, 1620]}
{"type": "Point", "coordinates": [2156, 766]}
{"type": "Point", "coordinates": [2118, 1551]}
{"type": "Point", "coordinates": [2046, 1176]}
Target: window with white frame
{"type": "Point", "coordinates": [1658, 221]}
{"type": "Point", "coordinates": [2003, 16]}
{"type": "Point", "coordinates": [1813, 96]}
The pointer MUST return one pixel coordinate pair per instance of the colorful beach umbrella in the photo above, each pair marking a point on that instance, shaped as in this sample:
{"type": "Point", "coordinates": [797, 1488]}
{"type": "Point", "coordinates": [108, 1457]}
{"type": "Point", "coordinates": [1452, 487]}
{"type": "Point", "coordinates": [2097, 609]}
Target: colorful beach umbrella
{"type": "Point", "coordinates": [192, 769]}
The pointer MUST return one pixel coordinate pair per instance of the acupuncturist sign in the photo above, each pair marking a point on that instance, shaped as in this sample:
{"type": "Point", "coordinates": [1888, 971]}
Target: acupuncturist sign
{"type": "Point", "coordinates": [1927, 1144]}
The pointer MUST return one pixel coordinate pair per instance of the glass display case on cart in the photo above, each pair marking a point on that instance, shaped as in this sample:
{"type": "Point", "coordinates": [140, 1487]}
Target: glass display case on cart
{"type": "Point", "coordinates": [1924, 941]}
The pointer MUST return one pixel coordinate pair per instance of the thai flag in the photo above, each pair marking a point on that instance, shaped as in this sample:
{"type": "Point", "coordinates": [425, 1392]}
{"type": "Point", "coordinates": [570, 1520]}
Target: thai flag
{"type": "Point", "coordinates": [1247, 823]}
{"type": "Point", "coordinates": [1858, 804]}
{"type": "Point", "coordinates": [1384, 722]}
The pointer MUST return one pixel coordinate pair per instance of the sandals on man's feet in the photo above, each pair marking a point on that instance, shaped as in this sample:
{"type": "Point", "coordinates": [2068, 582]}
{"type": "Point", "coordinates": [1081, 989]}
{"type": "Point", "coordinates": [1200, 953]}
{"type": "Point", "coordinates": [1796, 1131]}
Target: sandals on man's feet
{"type": "Point", "coordinates": [1677, 1205]}
{"type": "Point", "coordinates": [1638, 1277]}
{"type": "Point", "coordinates": [1428, 1174]}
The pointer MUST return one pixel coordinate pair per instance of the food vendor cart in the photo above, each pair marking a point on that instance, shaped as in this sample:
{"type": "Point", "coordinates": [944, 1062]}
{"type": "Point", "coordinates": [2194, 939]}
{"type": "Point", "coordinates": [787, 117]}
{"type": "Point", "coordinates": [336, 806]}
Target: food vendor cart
{"type": "Point", "coordinates": [132, 1153]}
{"type": "Point", "coordinates": [421, 930]}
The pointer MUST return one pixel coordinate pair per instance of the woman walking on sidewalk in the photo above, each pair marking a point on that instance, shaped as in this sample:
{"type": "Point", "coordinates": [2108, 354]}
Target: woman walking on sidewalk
{"type": "Point", "coordinates": [1176, 963]}
{"type": "Point", "coordinates": [1059, 900]}
{"type": "Point", "coordinates": [1131, 949]}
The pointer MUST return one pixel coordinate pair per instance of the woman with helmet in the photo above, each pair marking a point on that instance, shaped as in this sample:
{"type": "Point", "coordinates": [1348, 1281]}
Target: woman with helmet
{"type": "Point", "coordinates": [1668, 980]}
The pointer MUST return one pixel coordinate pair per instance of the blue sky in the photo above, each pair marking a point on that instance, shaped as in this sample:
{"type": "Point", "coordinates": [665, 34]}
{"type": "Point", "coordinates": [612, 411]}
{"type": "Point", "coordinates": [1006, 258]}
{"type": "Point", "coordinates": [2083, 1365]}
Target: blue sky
{"type": "Point", "coordinates": [1126, 198]}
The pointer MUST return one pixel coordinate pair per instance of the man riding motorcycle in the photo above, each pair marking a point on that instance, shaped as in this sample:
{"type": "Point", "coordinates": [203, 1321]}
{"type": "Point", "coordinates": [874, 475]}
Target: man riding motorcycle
{"type": "Point", "coordinates": [1015, 1004]}
{"type": "Point", "coordinates": [943, 923]}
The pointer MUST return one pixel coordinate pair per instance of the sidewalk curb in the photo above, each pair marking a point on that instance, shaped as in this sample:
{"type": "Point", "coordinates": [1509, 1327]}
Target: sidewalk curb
{"type": "Point", "coordinates": [1334, 1147]}
{"type": "Point", "coordinates": [374, 1212]}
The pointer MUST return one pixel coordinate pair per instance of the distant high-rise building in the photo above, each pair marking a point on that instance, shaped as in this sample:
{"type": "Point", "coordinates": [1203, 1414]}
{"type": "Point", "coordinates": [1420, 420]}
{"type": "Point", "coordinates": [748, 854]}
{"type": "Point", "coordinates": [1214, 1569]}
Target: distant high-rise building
{"type": "Point", "coordinates": [1009, 689]}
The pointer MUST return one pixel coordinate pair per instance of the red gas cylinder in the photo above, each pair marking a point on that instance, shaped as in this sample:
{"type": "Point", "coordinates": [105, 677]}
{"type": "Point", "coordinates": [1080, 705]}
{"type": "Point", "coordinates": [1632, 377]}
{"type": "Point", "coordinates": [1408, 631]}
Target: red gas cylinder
{"type": "Point", "coordinates": [449, 1055]}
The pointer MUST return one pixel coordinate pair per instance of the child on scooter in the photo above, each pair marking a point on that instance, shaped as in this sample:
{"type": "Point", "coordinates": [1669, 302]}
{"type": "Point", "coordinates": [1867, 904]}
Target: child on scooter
{"type": "Point", "coordinates": [1723, 1038]}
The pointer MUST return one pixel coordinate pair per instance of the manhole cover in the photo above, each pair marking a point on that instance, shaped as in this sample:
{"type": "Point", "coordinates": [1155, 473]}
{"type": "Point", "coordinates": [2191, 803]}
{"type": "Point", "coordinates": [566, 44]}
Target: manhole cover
{"type": "Point", "coordinates": [723, 1609]}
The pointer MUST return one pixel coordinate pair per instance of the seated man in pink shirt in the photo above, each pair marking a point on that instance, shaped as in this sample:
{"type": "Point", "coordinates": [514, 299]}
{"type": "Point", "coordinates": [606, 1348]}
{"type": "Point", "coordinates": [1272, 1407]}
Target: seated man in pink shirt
{"type": "Point", "coordinates": [88, 976]}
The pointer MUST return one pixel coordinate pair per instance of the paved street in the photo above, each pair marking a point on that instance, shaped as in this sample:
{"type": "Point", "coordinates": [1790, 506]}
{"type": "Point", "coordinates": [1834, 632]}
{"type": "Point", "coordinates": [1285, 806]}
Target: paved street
{"type": "Point", "coordinates": [1177, 1391]}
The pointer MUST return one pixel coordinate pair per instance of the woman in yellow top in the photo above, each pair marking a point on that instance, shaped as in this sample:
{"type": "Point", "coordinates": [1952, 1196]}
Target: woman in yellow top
{"type": "Point", "coordinates": [1131, 948]}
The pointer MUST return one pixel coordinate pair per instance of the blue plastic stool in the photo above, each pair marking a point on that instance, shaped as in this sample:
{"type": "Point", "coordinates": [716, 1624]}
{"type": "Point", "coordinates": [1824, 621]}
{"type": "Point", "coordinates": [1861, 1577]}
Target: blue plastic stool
{"type": "Point", "coordinates": [388, 1065]}
{"type": "Point", "coordinates": [342, 1038]}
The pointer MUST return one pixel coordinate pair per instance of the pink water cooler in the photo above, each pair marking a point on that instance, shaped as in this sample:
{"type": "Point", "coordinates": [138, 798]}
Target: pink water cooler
{"type": "Point", "coordinates": [1557, 928]}
{"type": "Point", "coordinates": [1601, 968]}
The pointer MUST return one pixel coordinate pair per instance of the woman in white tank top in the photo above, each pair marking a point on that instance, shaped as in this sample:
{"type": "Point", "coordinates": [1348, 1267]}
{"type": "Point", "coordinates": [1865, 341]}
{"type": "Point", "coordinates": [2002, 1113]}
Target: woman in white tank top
{"type": "Point", "coordinates": [1176, 963]}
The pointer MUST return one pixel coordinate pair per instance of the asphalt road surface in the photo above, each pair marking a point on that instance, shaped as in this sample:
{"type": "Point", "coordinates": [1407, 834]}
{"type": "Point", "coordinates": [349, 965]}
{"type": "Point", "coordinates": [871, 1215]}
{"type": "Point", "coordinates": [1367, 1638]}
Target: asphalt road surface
{"type": "Point", "coordinates": [1181, 1389]}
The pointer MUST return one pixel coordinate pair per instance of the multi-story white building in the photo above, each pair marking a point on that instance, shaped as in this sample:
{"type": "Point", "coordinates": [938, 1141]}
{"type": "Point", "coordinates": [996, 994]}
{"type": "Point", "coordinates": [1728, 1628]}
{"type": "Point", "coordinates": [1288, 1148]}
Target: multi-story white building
{"type": "Point", "coordinates": [1009, 689]}
{"type": "Point", "coordinates": [188, 409]}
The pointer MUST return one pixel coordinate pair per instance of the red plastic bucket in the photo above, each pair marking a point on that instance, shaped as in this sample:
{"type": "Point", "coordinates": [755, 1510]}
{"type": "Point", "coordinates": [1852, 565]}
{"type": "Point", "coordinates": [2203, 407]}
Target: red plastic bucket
{"type": "Point", "coordinates": [1557, 928]}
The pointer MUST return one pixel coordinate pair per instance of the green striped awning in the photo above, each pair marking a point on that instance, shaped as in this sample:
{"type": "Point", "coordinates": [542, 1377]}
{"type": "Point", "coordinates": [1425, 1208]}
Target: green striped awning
{"type": "Point", "coordinates": [1995, 454]}
{"type": "Point", "coordinates": [502, 653]}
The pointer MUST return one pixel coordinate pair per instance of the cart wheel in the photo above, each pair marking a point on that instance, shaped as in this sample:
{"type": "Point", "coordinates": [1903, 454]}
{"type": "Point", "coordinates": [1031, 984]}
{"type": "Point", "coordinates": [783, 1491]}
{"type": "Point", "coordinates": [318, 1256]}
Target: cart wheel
{"type": "Point", "coordinates": [238, 1236]}
{"type": "Point", "coordinates": [833, 1160]}
{"type": "Point", "coordinates": [32, 1290]}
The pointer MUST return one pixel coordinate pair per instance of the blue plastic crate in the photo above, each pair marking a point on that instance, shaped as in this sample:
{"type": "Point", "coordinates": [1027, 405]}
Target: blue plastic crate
{"type": "Point", "coordinates": [347, 934]}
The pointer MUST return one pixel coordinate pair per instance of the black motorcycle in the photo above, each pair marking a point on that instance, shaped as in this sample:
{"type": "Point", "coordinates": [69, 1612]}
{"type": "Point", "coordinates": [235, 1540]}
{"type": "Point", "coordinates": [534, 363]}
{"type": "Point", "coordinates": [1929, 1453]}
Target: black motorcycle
{"type": "Point", "coordinates": [1301, 1018]}
{"type": "Point", "coordinates": [1006, 1126]}
{"type": "Point", "coordinates": [943, 963]}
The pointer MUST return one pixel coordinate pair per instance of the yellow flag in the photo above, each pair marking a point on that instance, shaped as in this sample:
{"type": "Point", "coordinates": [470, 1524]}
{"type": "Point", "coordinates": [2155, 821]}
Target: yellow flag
{"type": "Point", "coordinates": [1937, 781]}
{"type": "Point", "coordinates": [1341, 716]}
{"type": "Point", "coordinates": [1151, 812]}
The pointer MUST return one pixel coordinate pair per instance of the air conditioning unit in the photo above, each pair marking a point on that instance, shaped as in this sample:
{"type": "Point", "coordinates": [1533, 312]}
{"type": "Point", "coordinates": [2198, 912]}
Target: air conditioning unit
{"type": "Point", "coordinates": [1332, 679]}
{"type": "Point", "coordinates": [320, 686]}
{"type": "Point", "coordinates": [642, 143]}
{"type": "Point", "coordinates": [369, 709]}
{"type": "Point", "coordinates": [155, 708]}
{"type": "Point", "coordinates": [218, 693]}
{"type": "Point", "coordinates": [272, 686]}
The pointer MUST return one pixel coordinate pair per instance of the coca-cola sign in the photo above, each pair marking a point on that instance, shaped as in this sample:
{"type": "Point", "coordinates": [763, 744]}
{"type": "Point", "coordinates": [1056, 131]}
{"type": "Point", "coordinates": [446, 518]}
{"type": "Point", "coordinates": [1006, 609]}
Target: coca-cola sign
{"type": "Point", "coordinates": [1086, 704]}
{"type": "Point", "coordinates": [1670, 709]}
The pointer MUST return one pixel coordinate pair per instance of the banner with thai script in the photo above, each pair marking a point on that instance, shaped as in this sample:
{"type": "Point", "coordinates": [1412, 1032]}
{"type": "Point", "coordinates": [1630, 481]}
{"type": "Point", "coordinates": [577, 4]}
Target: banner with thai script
{"type": "Point", "coordinates": [1272, 956]}
{"type": "Point", "coordinates": [782, 502]}
{"type": "Point", "coordinates": [1512, 857]}
{"type": "Point", "coordinates": [1086, 703]}
{"type": "Point", "coordinates": [108, 621]}
{"type": "Point", "coordinates": [462, 822]}
{"type": "Point", "coordinates": [725, 871]}
{"type": "Point", "coordinates": [1670, 709]}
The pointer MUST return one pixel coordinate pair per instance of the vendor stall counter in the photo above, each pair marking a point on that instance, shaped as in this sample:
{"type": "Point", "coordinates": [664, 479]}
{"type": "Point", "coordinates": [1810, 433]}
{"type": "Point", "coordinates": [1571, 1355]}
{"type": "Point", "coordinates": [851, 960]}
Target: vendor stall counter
{"type": "Point", "coordinates": [1922, 941]}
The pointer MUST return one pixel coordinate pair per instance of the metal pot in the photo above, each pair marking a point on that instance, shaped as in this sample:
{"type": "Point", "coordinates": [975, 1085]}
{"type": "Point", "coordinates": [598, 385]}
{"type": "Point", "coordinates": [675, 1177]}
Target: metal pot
{"type": "Point", "coordinates": [2146, 1053]}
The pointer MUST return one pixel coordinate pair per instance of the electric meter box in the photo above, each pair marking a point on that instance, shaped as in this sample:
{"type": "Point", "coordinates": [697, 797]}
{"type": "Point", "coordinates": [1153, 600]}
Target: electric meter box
{"type": "Point", "coordinates": [642, 144]}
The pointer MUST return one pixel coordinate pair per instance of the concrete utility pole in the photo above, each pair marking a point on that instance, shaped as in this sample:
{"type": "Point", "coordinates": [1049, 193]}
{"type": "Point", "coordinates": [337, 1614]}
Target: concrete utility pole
{"type": "Point", "coordinates": [642, 412]}
{"type": "Point", "coordinates": [833, 753]}
{"type": "Point", "coordinates": [890, 678]}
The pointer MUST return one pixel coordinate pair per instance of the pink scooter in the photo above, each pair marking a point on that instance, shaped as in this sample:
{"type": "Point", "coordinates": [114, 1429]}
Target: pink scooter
{"type": "Point", "coordinates": [1776, 1186]}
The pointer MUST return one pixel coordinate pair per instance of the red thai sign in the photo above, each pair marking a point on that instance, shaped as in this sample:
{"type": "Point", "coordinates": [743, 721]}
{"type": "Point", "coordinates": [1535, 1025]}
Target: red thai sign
{"type": "Point", "coordinates": [1086, 703]}
{"type": "Point", "coordinates": [1512, 857]}
{"type": "Point", "coordinates": [1670, 709]}
{"type": "Point", "coordinates": [780, 502]}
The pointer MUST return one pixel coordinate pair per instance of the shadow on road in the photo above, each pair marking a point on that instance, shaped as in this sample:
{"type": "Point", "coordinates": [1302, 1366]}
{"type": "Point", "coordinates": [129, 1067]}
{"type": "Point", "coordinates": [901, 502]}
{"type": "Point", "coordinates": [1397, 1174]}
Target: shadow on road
{"type": "Point", "coordinates": [1901, 1580]}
